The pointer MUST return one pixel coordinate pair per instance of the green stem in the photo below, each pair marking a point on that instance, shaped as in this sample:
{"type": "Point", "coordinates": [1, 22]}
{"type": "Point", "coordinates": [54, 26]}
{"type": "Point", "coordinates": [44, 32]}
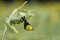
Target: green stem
{"type": "Point", "coordinates": [13, 28]}
{"type": "Point", "coordinates": [4, 33]}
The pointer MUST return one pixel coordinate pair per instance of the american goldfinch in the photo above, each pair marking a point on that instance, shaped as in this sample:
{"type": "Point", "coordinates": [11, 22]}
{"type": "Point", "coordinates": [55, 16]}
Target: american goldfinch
{"type": "Point", "coordinates": [27, 26]}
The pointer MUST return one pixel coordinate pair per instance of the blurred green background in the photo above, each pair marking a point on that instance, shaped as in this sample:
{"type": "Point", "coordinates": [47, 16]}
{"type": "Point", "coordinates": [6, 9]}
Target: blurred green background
{"type": "Point", "coordinates": [46, 20]}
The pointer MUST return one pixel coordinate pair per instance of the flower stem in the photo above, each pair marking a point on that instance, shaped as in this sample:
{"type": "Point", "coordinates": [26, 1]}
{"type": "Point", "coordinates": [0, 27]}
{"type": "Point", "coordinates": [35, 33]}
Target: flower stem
{"type": "Point", "coordinates": [4, 33]}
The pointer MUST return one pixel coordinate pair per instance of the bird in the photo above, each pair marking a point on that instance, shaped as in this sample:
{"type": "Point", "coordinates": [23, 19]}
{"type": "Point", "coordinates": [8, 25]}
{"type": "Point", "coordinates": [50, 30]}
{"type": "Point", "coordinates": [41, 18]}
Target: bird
{"type": "Point", "coordinates": [27, 26]}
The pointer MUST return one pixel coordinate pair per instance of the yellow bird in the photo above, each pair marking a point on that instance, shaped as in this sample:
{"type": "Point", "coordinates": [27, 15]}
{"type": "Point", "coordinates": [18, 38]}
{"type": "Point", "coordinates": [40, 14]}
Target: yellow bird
{"type": "Point", "coordinates": [27, 26]}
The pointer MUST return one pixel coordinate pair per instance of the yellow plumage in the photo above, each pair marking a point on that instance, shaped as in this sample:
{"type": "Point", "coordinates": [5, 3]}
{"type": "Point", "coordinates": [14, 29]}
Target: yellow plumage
{"type": "Point", "coordinates": [29, 27]}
